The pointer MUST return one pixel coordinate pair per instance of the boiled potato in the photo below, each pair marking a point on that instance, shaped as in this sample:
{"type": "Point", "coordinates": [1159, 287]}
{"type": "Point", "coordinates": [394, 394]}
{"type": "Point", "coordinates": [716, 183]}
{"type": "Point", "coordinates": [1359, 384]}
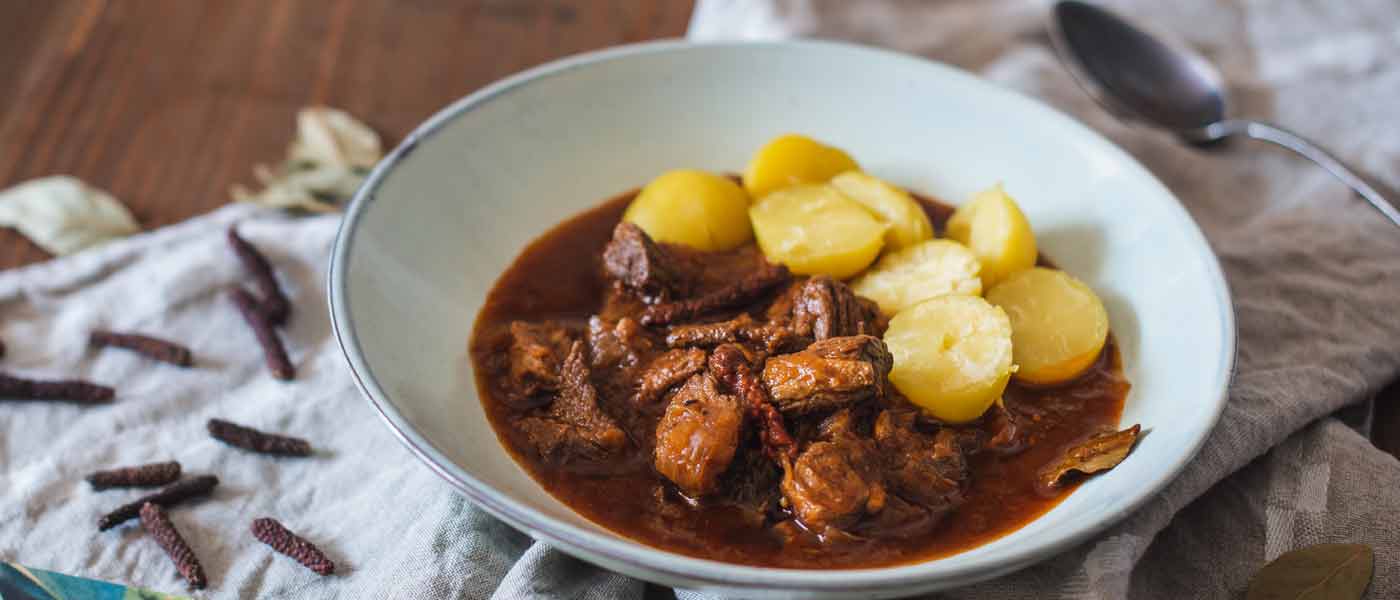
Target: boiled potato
{"type": "Point", "coordinates": [791, 159]}
{"type": "Point", "coordinates": [925, 270]}
{"type": "Point", "coordinates": [814, 229]}
{"type": "Point", "coordinates": [695, 208]}
{"type": "Point", "coordinates": [1058, 324]}
{"type": "Point", "coordinates": [997, 232]}
{"type": "Point", "coordinates": [908, 223]}
{"type": "Point", "coordinates": [952, 356]}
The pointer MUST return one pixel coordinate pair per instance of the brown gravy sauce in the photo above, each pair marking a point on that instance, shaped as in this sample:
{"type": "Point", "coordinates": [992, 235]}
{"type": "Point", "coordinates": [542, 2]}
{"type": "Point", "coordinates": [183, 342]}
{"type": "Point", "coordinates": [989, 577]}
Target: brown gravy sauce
{"type": "Point", "coordinates": [558, 276]}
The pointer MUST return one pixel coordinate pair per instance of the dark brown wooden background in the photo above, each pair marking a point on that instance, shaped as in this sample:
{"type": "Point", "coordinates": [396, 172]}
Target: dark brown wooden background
{"type": "Point", "coordinates": [165, 103]}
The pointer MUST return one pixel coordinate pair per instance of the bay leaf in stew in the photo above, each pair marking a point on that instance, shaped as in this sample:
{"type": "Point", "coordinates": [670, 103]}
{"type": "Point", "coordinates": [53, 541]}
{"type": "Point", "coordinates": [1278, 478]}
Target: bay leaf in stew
{"type": "Point", "coordinates": [1099, 453]}
{"type": "Point", "coordinates": [1321, 572]}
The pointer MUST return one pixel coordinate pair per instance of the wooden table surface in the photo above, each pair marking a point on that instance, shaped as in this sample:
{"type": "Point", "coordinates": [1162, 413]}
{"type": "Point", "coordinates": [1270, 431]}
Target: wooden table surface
{"type": "Point", "coordinates": [166, 103]}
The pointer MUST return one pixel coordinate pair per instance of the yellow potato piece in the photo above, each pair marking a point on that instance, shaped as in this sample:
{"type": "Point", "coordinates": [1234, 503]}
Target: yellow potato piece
{"type": "Point", "coordinates": [908, 222]}
{"type": "Point", "coordinates": [952, 356]}
{"type": "Point", "coordinates": [997, 232]}
{"type": "Point", "coordinates": [695, 208]}
{"type": "Point", "coordinates": [814, 229]}
{"type": "Point", "coordinates": [792, 159]}
{"type": "Point", "coordinates": [925, 270]}
{"type": "Point", "coordinates": [1058, 324]}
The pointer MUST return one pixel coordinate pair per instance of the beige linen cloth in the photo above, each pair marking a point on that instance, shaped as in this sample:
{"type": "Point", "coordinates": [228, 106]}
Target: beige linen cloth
{"type": "Point", "coordinates": [1315, 274]}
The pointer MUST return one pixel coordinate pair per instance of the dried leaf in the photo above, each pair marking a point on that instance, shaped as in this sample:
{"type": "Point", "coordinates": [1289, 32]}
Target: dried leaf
{"type": "Point", "coordinates": [1099, 453]}
{"type": "Point", "coordinates": [63, 215]}
{"type": "Point", "coordinates": [318, 189]}
{"type": "Point", "coordinates": [325, 165]}
{"type": "Point", "coordinates": [1321, 572]}
{"type": "Point", "coordinates": [327, 136]}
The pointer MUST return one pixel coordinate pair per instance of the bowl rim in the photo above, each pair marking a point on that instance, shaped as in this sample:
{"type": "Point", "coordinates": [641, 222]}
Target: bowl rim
{"type": "Point", "coordinates": [925, 575]}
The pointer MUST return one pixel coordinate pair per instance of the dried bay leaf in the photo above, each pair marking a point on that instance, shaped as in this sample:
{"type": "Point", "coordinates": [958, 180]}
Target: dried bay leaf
{"type": "Point", "coordinates": [1320, 572]}
{"type": "Point", "coordinates": [63, 215]}
{"type": "Point", "coordinates": [314, 188]}
{"type": "Point", "coordinates": [325, 164]}
{"type": "Point", "coordinates": [327, 136]}
{"type": "Point", "coordinates": [1099, 453]}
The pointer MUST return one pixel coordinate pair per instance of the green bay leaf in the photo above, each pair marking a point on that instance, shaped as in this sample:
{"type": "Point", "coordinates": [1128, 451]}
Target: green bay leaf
{"type": "Point", "coordinates": [1320, 572]}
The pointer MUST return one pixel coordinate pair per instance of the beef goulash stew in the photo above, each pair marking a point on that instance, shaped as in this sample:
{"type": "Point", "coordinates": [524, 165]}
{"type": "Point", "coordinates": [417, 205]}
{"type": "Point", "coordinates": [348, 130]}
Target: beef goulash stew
{"type": "Point", "coordinates": [789, 369]}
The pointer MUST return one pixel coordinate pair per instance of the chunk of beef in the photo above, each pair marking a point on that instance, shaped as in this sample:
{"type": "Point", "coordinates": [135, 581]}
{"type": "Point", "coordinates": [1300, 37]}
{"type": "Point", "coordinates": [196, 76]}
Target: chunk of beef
{"type": "Point", "coordinates": [780, 309]}
{"type": "Point", "coordinates": [928, 470]}
{"type": "Point", "coordinates": [537, 351]}
{"type": "Point", "coordinates": [738, 329]}
{"type": "Point", "coordinates": [751, 481]}
{"type": "Point", "coordinates": [1007, 434]}
{"type": "Point", "coordinates": [826, 308]}
{"type": "Point", "coordinates": [642, 264]}
{"type": "Point", "coordinates": [835, 482]}
{"type": "Point", "coordinates": [698, 435]}
{"type": "Point", "coordinates": [900, 482]}
{"type": "Point", "coordinates": [617, 344]}
{"type": "Point", "coordinates": [839, 423]}
{"type": "Point", "coordinates": [746, 290]}
{"type": "Point", "coordinates": [866, 348]}
{"type": "Point", "coordinates": [829, 374]}
{"type": "Point", "coordinates": [743, 328]}
{"type": "Point", "coordinates": [620, 301]}
{"type": "Point", "coordinates": [730, 364]}
{"type": "Point", "coordinates": [666, 371]}
{"type": "Point", "coordinates": [900, 519]}
{"type": "Point", "coordinates": [573, 429]}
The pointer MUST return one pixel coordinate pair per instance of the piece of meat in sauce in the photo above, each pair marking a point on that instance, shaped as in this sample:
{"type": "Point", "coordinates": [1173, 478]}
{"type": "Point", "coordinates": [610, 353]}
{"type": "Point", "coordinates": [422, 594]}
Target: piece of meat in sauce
{"type": "Point", "coordinates": [927, 476]}
{"type": "Point", "coordinates": [621, 343]}
{"type": "Point", "coordinates": [536, 353]}
{"type": "Point", "coordinates": [1007, 434]}
{"type": "Point", "coordinates": [771, 337]}
{"type": "Point", "coordinates": [830, 374]}
{"type": "Point", "coordinates": [746, 290]}
{"type": "Point", "coordinates": [928, 470]}
{"type": "Point", "coordinates": [573, 429]}
{"type": "Point", "coordinates": [825, 308]}
{"type": "Point", "coordinates": [643, 265]}
{"type": "Point", "coordinates": [698, 436]}
{"type": "Point", "coordinates": [667, 371]}
{"type": "Point", "coordinates": [835, 481]}
{"type": "Point", "coordinates": [752, 479]}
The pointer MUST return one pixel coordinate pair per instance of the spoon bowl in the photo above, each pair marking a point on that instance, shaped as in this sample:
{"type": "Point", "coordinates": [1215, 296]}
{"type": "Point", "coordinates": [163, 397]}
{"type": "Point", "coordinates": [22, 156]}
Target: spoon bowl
{"type": "Point", "coordinates": [1138, 75]}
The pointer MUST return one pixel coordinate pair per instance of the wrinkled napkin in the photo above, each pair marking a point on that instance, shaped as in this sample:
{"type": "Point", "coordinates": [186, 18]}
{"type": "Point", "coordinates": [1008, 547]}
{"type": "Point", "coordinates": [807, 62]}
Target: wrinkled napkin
{"type": "Point", "coordinates": [1314, 273]}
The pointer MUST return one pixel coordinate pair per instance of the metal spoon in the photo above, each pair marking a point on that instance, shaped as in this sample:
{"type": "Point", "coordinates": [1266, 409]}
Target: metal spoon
{"type": "Point", "coordinates": [1145, 78]}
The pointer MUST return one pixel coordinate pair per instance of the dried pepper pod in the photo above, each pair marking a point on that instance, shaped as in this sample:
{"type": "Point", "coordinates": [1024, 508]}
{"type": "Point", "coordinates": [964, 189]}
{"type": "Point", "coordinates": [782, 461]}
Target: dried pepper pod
{"type": "Point", "coordinates": [261, 442]}
{"type": "Point", "coordinates": [148, 475]}
{"type": "Point", "coordinates": [274, 304]}
{"type": "Point", "coordinates": [81, 392]}
{"type": "Point", "coordinates": [273, 351]}
{"type": "Point", "coordinates": [272, 533]}
{"type": "Point", "coordinates": [158, 525]}
{"type": "Point", "coordinates": [150, 347]}
{"type": "Point", "coordinates": [171, 494]}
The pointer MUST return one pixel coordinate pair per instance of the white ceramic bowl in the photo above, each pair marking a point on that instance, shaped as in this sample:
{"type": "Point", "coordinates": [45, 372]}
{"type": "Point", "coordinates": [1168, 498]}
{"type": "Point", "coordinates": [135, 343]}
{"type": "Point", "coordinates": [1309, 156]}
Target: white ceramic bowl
{"type": "Point", "coordinates": [448, 210]}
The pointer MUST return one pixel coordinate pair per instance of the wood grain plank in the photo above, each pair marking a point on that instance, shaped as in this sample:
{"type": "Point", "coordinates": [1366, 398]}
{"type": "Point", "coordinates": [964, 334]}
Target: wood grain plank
{"type": "Point", "coordinates": [166, 103]}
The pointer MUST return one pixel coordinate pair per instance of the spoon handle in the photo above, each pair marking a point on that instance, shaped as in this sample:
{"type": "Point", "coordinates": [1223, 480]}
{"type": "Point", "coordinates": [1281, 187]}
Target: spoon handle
{"type": "Point", "coordinates": [1310, 151]}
